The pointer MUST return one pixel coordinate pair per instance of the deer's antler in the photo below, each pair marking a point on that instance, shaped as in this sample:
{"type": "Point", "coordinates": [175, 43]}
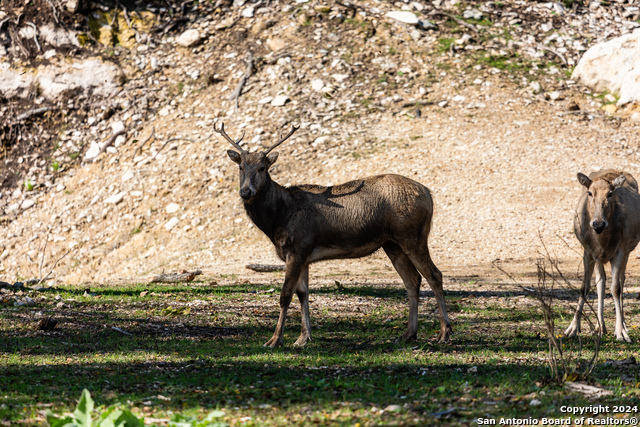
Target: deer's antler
{"type": "Point", "coordinates": [236, 144]}
{"type": "Point", "coordinates": [283, 139]}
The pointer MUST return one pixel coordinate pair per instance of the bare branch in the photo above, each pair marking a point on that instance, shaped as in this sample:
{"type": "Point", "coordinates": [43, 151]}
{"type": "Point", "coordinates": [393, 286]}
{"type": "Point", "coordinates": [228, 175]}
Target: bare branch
{"type": "Point", "coordinates": [236, 93]}
{"type": "Point", "coordinates": [54, 266]}
{"type": "Point", "coordinates": [151, 135]}
{"type": "Point", "coordinates": [455, 18]}
{"type": "Point", "coordinates": [171, 140]}
{"type": "Point", "coordinates": [110, 142]}
{"type": "Point", "coordinates": [35, 35]}
{"type": "Point", "coordinates": [184, 276]}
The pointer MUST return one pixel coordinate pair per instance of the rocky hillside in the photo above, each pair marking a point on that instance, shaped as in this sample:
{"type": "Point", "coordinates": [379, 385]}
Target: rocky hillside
{"type": "Point", "coordinates": [111, 170]}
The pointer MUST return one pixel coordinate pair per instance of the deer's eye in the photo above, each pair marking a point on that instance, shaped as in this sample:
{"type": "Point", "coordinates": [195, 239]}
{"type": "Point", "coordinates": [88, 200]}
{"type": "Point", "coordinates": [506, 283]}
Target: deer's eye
{"type": "Point", "coordinates": [240, 167]}
{"type": "Point", "coordinates": [261, 169]}
{"type": "Point", "coordinates": [589, 193]}
{"type": "Point", "coordinates": [609, 194]}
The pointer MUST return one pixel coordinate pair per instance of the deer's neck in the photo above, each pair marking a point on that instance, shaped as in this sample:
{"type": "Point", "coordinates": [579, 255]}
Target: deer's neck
{"type": "Point", "coordinates": [267, 209]}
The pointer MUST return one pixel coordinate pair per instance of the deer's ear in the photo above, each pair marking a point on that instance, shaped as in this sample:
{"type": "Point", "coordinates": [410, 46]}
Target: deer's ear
{"type": "Point", "coordinates": [619, 181]}
{"type": "Point", "coordinates": [271, 158]}
{"type": "Point", "coordinates": [584, 180]}
{"type": "Point", "coordinates": [234, 156]}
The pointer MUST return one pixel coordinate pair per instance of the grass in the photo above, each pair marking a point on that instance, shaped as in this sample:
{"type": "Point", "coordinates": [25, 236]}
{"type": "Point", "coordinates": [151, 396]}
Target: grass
{"type": "Point", "coordinates": [167, 359]}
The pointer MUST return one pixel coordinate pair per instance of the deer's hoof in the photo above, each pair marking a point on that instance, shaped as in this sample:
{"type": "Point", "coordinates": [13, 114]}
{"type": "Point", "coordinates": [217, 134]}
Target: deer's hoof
{"type": "Point", "coordinates": [622, 335]}
{"type": "Point", "coordinates": [274, 342]}
{"type": "Point", "coordinates": [407, 336]}
{"type": "Point", "coordinates": [302, 341]}
{"type": "Point", "coordinates": [571, 331]}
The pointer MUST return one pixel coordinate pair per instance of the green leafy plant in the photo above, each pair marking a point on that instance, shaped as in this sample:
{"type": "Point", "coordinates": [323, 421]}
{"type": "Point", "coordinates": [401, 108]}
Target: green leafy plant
{"type": "Point", "coordinates": [28, 185]}
{"type": "Point", "coordinates": [171, 311]}
{"type": "Point", "coordinates": [55, 165]}
{"type": "Point", "coordinates": [179, 420]}
{"type": "Point", "coordinates": [81, 417]}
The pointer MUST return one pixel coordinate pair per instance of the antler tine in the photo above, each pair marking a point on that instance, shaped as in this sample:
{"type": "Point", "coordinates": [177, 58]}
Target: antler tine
{"type": "Point", "coordinates": [293, 129]}
{"type": "Point", "coordinates": [236, 144]}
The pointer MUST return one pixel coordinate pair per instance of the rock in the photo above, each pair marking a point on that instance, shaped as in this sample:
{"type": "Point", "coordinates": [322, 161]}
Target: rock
{"type": "Point", "coordinates": [72, 5]}
{"type": "Point", "coordinates": [15, 85]}
{"type": "Point", "coordinates": [317, 85]}
{"type": "Point", "coordinates": [280, 100]}
{"type": "Point", "coordinates": [535, 402]}
{"type": "Point", "coordinates": [27, 204]}
{"type": "Point", "coordinates": [609, 98]}
{"type": "Point", "coordinates": [340, 77]}
{"type": "Point", "coordinates": [635, 117]}
{"type": "Point", "coordinates": [535, 87]}
{"type": "Point", "coordinates": [58, 36]}
{"type": "Point", "coordinates": [128, 175]}
{"type": "Point", "coordinates": [404, 17]}
{"type": "Point", "coordinates": [472, 370]}
{"type": "Point", "coordinates": [555, 95]}
{"type": "Point", "coordinates": [172, 208]}
{"type": "Point", "coordinates": [613, 66]}
{"type": "Point", "coordinates": [426, 25]}
{"type": "Point", "coordinates": [116, 198]}
{"type": "Point", "coordinates": [265, 100]}
{"type": "Point", "coordinates": [443, 103]}
{"type": "Point", "coordinates": [92, 152]}
{"type": "Point", "coordinates": [393, 408]}
{"type": "Point", "coordinates": [89, 76]}
{"type": "Point", "coordinates": [276, 44]}
{"type": "Point", "coordinates": [458, 98]}
{"type": "Point", "coordinates": [248, 12]}
{"type": "Point", "coordinates": [573, 106]}
{"type": "Point", "coordinates": [189, 38]}
{"type": "Point", "coordinates": [171, 223]}
{"type": "Point", "coordinates": [472, 14]}
{"type": "Point", "coordinates": [609, 108]}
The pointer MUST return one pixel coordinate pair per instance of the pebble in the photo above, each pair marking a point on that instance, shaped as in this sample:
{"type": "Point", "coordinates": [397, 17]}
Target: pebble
{"type": "Point", "coordinates": [172, 208]}
{"type": "Point", "coordinates": [27, 204]}
{"type": "Point", "coordinates": [279, 100]}
{"type": "Point", "coordinates": [555, 95]}
{"type": "Point", "coordinates": [317, 85]}
{"type": "Point", "coordinates": [171, 223]}
{"type": "Point", "coordinates": [265, 100]}
{"type": "Point", "coordinates": [116, 198]}
{"type": "Point", "coordinates": [189, 38]}
{"type": "Point", "coordinates": [393, 408]}
{"type": "Point", "coordinates": [276, 44]}
{"type": "Point", "coordinates": [404, 17]}
{"type": "Point", "coordinates": [127, 175]}
{"type": "Point", "coordinates": [472, 14]}
{"type": "Point", "coordinates": [248, 12]}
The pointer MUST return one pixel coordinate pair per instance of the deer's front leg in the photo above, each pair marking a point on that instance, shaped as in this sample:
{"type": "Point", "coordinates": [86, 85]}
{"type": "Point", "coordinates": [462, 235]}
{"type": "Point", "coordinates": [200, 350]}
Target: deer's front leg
{"type": "Point", "coordinates": [291, 277]}
{"type": "Point", "coordinates": [589, 264]}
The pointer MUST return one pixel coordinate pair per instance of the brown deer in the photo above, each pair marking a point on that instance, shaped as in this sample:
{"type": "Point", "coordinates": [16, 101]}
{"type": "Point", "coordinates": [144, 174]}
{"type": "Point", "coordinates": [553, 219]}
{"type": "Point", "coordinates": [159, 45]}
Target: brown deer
{"type": "Point", "coordinates": [309, 223]}
{"type": "Point", "coordinates": [607, 223]}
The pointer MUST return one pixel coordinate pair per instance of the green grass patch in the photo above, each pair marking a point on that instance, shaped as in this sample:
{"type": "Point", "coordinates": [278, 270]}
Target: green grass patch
{"type": "Point", "coordinates": [164, 349]}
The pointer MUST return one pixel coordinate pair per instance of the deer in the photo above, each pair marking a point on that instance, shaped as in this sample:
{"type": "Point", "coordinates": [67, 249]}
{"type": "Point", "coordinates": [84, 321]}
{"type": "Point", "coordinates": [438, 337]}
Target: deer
{"type": "Point", "coordinates": [311, 223]}
{"type": "Point", "coordinates": [607, 224]}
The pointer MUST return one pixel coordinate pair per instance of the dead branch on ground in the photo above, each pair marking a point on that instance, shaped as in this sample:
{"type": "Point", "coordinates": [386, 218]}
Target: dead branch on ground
{"type": "Point", "coordinates": [151, 135]}
{"type": "Point", "coordinates": [184, 276]}
{"type": "Point", "coordinates": [265, 268]}
{"type": "Point", "coordinates": [455, 18]}
{"type": "Point", "coordinates": [171, 140]}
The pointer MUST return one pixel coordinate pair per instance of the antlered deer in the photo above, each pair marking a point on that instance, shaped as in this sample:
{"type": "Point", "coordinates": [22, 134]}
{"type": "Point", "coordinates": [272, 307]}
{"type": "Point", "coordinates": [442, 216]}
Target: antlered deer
{"type": "Point", "coordinates": [607, 223]}
{"type": "Point", "coordinates": [309, 223]}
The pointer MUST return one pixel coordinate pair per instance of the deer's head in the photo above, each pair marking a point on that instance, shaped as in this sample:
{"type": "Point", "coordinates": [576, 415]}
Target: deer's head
{"type": "Point", "coordinates": [254, 167]}
{"type": "Point", "coordinates": [600, 199]}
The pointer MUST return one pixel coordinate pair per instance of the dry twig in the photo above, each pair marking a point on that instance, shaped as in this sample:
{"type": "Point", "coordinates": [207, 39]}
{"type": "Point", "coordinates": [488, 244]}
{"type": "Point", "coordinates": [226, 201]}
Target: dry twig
{"type": "Point", "coordinates": [236, 93]}
{"type": "Point", "coordinates": [109, 142]}
{"type": "Point", "coordinates": [151, 135]}
{"type": "Point", "coordinates": [171, 140]}
{"type": "Point", "coordinates": [455, 18]}
{"type": "Point", "coordinates": [555, 52]}
{"type": "Point", "coordinates": [35, 35]}
{"type": "Point", "coordinates": [54, 266]}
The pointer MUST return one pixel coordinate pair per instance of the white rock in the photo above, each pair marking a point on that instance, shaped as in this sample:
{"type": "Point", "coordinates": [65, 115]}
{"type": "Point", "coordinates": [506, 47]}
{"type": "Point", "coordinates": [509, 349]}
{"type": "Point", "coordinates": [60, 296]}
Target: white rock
{"type": "Point", "coordinates": [58, 36]}
{"type": "Point", "coordinates": [128, 175]}
{"type": "Point", "coordinates": [49, 54]}
{"type": "Point", "coordinates": [535, 86]}
{"type": "Point", "coordinates": [443, 103]}
{"type": "Point", "coordinates": [266, 100]}
{"type": "Point", "coordinates": [15, 85]}
{"type": "Point", "coordinates": [116, 198]}
{"type": "Point", "coordinates": [555, 95]}
{"type": "Point", "coordinates": [172, 208]}
{"type": "Point", "coordinates": [458, 98]}
{"type": "Point", "coordinates": [635, 117]}
{"type": "Point", "coordinates": [189, 38]}
{"type": "Point", "coordinates": [613, 66]}
{"type": "Point", "coordinates": [248, 12]}
{"type": "Point", "coordinates": [404, 17]}
{"type": "Point", "coordinates": [171, 223]}
{"type": "Point", "coordinates": [317, 85]}
{"type": "Point", "coordinates": [93, 151]}
{"type": "Point", "coordinates": [535, 402]}
{"type": "Point", "coordinates": [27, 204]}
{"type": "Point", "coordinates": [472, 14]}
{"type": "Point", "coordinates": [340, 77]}
{"type": "Point", "coordinates": [91, 75]}
{"type": "Point", "coordinates": [279, 100]}
{"type": "Point", "coordinates": [60, 187]}
{"type": "Point", "coordinates": [117, 126]}
{"type": "Point", "coordinates": [609, 98]}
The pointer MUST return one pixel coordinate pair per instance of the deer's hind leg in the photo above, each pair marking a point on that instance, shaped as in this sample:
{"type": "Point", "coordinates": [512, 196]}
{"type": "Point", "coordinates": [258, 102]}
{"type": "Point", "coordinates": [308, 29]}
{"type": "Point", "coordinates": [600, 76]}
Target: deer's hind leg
{"type": "Point", "coordinates": [411, 279]}
{"type": "Point", "coordinates": [303, 295]}
{"type": "Point", "coordinates": [418, 253]}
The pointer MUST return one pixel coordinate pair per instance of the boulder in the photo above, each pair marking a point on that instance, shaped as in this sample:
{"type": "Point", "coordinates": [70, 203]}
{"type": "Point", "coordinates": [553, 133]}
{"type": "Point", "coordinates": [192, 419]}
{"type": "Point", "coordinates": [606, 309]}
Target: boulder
{"type": "Point", "coordinates": [91, 76]}
{"type": "Point", "coordinates": [613, 66]}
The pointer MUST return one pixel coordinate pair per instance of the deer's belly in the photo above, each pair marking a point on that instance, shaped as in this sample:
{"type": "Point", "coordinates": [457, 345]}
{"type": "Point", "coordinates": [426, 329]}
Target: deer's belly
{"type": "Point", "coordinates": [320, 253]}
